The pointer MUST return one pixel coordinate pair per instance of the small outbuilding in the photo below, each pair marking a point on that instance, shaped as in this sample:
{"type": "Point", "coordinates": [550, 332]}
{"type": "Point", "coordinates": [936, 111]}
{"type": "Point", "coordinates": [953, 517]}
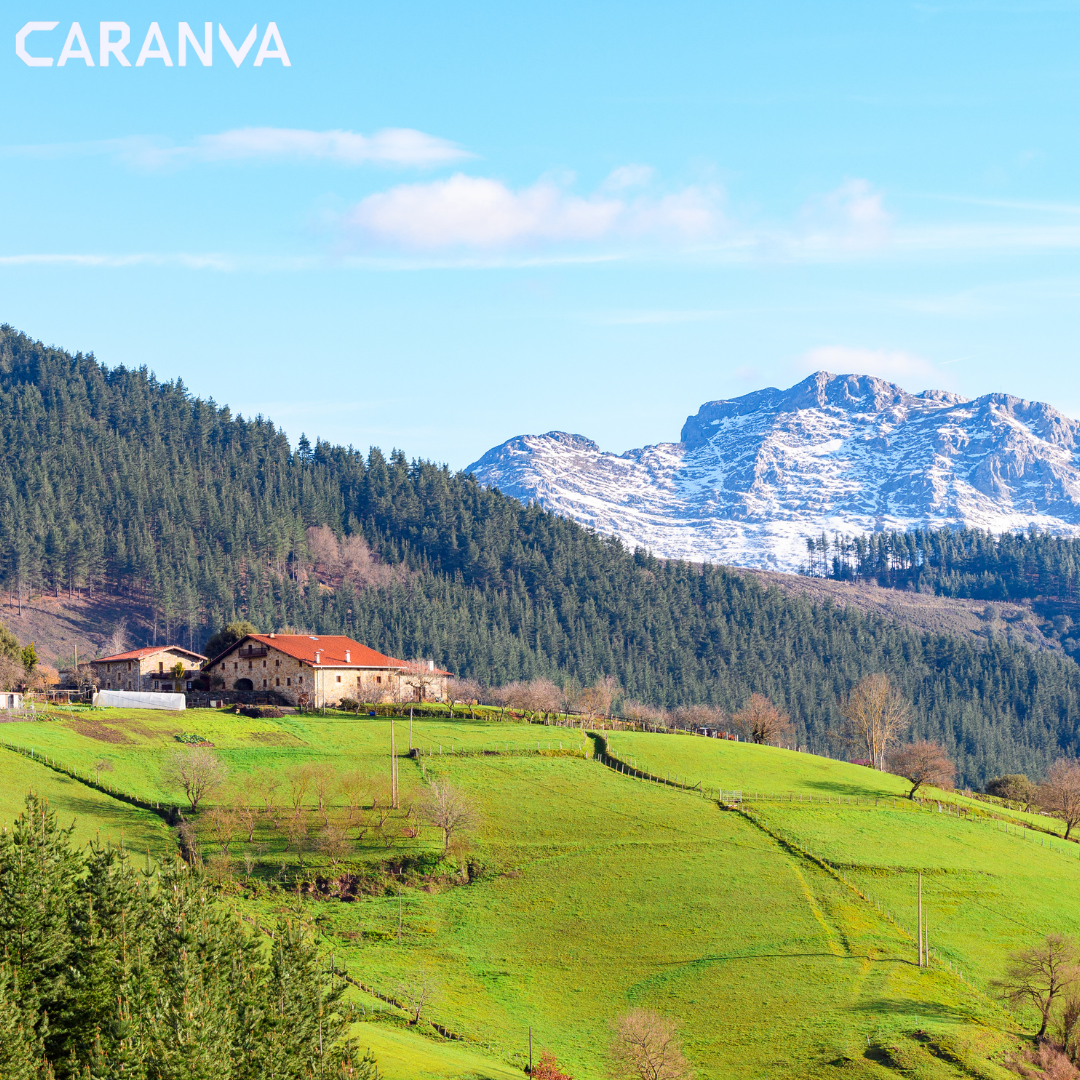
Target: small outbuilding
{"type": "Point", "coordinates": [10, 700]}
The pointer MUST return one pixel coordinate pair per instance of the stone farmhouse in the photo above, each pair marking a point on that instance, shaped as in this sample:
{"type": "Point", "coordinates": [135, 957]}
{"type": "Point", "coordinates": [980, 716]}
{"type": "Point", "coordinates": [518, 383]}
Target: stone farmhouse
{"type": "Point", "coordinates": [149, 669]}
{"type": "Point", "coordinates": [319, 670]}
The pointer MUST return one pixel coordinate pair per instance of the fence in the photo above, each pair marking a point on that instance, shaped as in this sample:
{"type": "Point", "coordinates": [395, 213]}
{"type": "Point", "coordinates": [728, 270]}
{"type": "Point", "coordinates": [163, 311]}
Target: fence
{"type": "Point", "coordinates": [167, 811]}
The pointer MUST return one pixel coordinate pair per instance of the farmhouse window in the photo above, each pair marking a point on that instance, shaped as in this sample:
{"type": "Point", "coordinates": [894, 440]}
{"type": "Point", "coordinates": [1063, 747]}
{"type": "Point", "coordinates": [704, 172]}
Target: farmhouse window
{"type": "Point", "coordinates": [161, 665]}
{"type": "Point", "coordinates": [277, 663]}
{"type": "Point", "coordinates": [378, 678]}
{"type": "Point", "coordinates": [288, 682]}
{"type": "Point", "coordinates": [277, 682]}
{"type": "Point", "coordinates": [300, 679]}
{"type": "Point", "coordinates": [264, 684]}
{"type": "Point", "coordinates": [339, 678]}
{"type": "Point", "coordinates": [236, 667]}
{"type": "Point", "coordinates": [264, 663]}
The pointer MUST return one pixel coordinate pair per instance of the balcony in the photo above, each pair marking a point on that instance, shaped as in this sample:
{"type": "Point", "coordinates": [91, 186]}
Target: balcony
{"type": "Point", "coordinates": [252, 652]}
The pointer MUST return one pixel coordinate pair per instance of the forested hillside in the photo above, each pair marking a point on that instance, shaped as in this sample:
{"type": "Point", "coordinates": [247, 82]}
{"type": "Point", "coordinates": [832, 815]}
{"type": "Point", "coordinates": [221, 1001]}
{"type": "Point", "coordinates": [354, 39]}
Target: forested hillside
{"type": "Point", "coordinates": [1035, 568]}
{"type": "Point", "coordinates": [955, 562]}
{"type": "Point", "coordinates": [114, 481]}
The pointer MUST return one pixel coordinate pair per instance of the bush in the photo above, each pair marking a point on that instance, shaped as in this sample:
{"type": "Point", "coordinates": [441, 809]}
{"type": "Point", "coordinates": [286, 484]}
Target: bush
{"type": "Point", "coordinates": [261, 712]}
{"type": "Point", "coordinates": [1015, 787]}
{"type": "Point", "coordinates": [348, 704]}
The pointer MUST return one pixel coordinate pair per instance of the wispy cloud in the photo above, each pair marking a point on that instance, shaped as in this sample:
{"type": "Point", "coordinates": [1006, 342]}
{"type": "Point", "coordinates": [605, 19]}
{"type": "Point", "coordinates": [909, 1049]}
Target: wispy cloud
{"type": "Point", "coordinates": [184, 260]}
{"type": "Point", "coordinates": [893, 365]}
{"type": "Point", "coordinates": [477, 222]}
{"type": "Point", "coordinates": [392, 146]}
{"type": "Point", "coordinates": [478, 212]}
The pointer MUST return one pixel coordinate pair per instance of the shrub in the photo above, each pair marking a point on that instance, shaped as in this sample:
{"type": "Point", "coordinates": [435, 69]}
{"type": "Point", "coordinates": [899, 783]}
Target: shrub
{"type": "Point", "coordinates": [548, 1068]}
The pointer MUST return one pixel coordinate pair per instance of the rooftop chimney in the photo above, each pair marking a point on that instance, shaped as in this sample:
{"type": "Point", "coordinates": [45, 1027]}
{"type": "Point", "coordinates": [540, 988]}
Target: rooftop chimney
{"type": "Point", "coordinates": [431, 665]}
{"type": "Point", "coordinates": [271, 635]}
{"type": "Point", "coordinates": [348, 657]}
{"type": "Point", "coordinates": [318, 659]}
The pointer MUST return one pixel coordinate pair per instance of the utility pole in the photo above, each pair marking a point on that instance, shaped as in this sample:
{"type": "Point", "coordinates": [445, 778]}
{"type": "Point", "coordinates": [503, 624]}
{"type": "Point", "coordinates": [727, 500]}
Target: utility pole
{"type": "Point", "coordinates": [399, 914]}
{"type": "Point", "coordinates": [393, 766]}
{"type": "Point", "coordinates": [410, 729]}
{"type": "Point", "coordinates": [921, 964]}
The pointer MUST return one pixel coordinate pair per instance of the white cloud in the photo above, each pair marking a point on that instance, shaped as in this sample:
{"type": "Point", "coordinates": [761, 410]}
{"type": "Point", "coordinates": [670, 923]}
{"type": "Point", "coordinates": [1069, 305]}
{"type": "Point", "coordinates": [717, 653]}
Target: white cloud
{"type": "Point", "coordinates": [850, 218]}
{"type": "Point", "coordinates": [478, 212]}
{"type": "Point", "coordinates": [893, 365]}
{"type": "Point", "coordinates": [392, 146]}
{"type": "Point", "coordinates": [629, 176]}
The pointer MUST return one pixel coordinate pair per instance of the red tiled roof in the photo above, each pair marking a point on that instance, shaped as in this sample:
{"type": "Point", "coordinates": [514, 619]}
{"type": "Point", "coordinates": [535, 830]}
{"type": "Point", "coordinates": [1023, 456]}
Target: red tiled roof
{"type": "Point", "coordinates": [140, 654]}
{"type": "Point", "coordinates": [330, 647]}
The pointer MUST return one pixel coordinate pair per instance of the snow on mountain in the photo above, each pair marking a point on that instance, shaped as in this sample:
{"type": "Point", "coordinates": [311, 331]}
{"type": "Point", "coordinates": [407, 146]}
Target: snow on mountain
{"type": "Point", "coordinates": [753, 477]}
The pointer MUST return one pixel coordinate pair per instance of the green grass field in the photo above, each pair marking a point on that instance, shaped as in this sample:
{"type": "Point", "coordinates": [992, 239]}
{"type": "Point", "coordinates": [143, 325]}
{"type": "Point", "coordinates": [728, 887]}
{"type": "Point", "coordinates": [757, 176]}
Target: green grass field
{"type": "Point", "coordinates": [590, 892]}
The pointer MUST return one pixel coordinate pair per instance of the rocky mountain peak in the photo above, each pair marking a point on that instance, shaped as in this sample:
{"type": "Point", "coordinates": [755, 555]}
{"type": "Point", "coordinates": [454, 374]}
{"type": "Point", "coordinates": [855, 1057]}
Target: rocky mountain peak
{"type": "Point", "coordinates": [753, 476]}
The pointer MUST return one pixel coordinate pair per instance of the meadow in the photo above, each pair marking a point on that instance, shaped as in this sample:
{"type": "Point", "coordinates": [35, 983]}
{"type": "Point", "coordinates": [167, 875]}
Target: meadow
{"type": "Point", "coordinates": [583, 891]}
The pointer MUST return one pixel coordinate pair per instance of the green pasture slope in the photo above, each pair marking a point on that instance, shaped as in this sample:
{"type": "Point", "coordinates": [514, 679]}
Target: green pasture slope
{"type": "Point", "coordinates": [592, 891]}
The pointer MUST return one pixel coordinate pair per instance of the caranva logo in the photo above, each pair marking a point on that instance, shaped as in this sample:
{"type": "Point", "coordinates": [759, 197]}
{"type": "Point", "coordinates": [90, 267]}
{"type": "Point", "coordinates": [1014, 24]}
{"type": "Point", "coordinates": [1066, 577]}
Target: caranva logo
{"type": "Point", "coordinates": [115, 37]}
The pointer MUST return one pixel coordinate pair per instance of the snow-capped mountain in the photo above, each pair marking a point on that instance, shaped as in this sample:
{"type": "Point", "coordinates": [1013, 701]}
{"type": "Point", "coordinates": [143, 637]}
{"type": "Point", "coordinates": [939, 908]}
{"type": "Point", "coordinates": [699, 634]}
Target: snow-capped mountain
{"type": "Point", "coordinates": [753, 477]}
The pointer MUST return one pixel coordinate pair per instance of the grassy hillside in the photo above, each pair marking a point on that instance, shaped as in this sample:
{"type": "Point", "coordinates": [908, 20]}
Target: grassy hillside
{"type": "Point", "coordinates": [112, 482]}
{"type": "Point", "coordinates": [590, 891]}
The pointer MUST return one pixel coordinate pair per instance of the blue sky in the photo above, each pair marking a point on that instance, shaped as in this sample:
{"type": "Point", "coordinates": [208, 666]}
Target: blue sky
{"type": "Point", "coordinates": [444, 225]}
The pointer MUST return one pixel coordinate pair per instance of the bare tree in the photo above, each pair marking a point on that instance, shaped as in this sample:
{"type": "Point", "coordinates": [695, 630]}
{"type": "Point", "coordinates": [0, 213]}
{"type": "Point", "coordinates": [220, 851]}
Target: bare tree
{"type": "Point", "coordinates": [1060, 795]}
{"type": "Point", "coordinates": [334, 844]}
{"type": "Point", "coordinates": [382, 800]}
{"type": "Point", "coordinates": [1039, 975]}
{"type": "Point", "coordinates": [266, 782]}
{"type": "Point", "coordinates": [247, 817]}
{"type": "Point", "coordinates": [101, 766]}
{"type": "Point", "coordinates": [324, 779]}
{"type": "Point", "coordinates": [544, 696]}
{"type": "Point", "coordinates": [360, 566]}
{"type": "Point", "coordinates": [117, 641]}
{"type": "Point", "coordinates": [921, 763]}
{"type": "Point", "coordinates": [514, 695]}
{"type": "Point", "coordinates": [876, 714]}
{"type": "Point", "coordinates": [760, 721]}
{"type": "Point", "coordinates": [299, 779]}
{"type": "Point", "coordinates": [568, 696]}
{"type": "Point", "coordinates": [222, 824]}
{"type": "Point", "coordinates": [450, 810]}
{"type": "Point", "coordinates": [646, 1046]}
{"type": "Point", "coordinates": [325, 552]}
{"type": "Point", "coordinates": [463, 691]}
{"type": "Point", "coordinates": [694, 716]}
{"type": "Point", "coordinates": [416, 994]}
{"type": "Point", "coordinates": [296, 833]}
{"type": "Point", "coordinates": [641, 713]}
{"type": "Point", "coordinates": [596, 700]}
{"type": "Point", "coordinates": [196, 770]}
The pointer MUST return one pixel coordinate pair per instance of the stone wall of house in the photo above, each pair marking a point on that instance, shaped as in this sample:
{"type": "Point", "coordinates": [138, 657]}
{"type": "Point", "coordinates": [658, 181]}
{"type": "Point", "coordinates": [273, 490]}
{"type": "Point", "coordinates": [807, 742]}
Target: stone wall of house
{"type": "Point", "coordinates": [282, 674]}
